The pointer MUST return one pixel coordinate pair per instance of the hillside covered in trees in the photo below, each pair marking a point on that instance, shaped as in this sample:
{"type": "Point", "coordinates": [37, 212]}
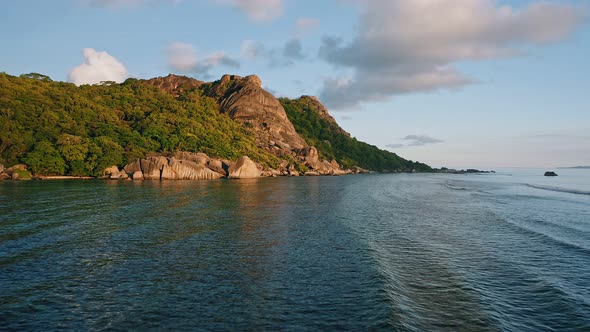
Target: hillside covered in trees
{"type": "Point", "coordinates": [57, 128]}
{"type": "Point", "coordinates": [319, 129]}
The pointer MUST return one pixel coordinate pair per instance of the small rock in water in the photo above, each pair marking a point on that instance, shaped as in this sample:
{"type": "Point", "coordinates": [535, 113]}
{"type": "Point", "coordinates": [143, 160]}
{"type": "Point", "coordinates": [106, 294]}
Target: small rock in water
{"type": "Point", "coordinates": [550, 174]}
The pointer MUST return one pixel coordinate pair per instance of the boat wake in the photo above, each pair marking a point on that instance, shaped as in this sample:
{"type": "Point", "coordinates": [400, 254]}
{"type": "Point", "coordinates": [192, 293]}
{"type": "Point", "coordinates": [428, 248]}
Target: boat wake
{"type": "Point", "coordinates": [455, 187]}
{"type": "Point", "coordinates": [559, 189]}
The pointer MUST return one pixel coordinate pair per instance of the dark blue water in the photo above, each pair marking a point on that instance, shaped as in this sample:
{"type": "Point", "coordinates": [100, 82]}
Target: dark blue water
{"type": "Point", "coordinates": [375, 252]}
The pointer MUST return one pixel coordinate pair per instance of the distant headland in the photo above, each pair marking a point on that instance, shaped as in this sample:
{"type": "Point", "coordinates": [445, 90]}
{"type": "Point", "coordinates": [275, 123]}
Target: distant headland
{"type": "Point", "coordinates": [576, 167]}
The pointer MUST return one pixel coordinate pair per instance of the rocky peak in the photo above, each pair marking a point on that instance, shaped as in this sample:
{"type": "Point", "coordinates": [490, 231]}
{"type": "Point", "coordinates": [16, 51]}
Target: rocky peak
{"type": "Point", "coordinates": [254, 80]}
{"type": "Point", "coordinates": [245, 101]}
{"type": "Point", "coordinates": [175, 84]}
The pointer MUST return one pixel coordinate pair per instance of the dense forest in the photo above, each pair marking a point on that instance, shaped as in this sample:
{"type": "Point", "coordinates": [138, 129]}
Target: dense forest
{"type": "Point", "coordinates": [58, 128]}
{"type": "Point", "coordinates": [333, 142]}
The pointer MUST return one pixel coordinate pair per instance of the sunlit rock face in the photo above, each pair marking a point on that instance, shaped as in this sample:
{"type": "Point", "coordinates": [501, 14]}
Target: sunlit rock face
{"type": "Point", "coordinates": [170, 168]}
{"type": "Point", "coordinates": [244, 168]}
{"type": "Point", "coordinates": [245, 101]}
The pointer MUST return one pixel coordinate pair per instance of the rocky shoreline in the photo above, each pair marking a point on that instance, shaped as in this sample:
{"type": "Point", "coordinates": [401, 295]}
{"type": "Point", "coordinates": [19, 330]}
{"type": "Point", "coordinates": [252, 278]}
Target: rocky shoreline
{"type": "Point", "coordinates": [196, 166]}
{"type": "Point", "coordinates": [199, 166]}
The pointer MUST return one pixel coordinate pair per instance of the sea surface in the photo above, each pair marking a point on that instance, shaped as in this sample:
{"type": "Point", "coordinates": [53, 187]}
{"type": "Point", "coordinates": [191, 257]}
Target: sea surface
{"type": "Point", "coordinates": [393, 252]}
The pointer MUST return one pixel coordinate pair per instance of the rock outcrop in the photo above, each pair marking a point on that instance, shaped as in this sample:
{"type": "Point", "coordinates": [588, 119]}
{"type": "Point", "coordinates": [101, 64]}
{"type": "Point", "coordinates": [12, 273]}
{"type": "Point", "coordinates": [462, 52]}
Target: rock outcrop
{"type": "Point", "coordinates": [198, 157]}
{"type": "Point", "coordinates": [550, 174]}
{"type": "Point", "coordinates": [310, 157]}
{"type": "Point", "coordinates": [244, 168]}
{"type": "Point", "coordinates": [134, 166]}
{"type": "Point", "coordinates": [198, 166]}
{"type": "Point", "coordinates": [137, 175]}
{"type": "Point", "coordinates": [189, 170]}
{"type": "Point", "coordinates": [245, 101]}
{"type": "Point", "coordinates": [218, 166]}
{"type": "Point", "coordinates": [292, 171]}
{"type": "Point", "coordinates": [174, 84]}
{"type": "Point", "coordinates": [152, 167]}
{"type": "Point", "coordinates": [170, 168]}
{"type": "Point", "coordinates": [114, 173]}
{"type": "Point", "coordinates": [16, 172]}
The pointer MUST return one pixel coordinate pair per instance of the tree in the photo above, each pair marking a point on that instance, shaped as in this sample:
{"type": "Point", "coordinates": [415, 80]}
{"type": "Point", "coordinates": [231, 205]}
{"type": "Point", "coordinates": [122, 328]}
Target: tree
{"type": "Point", "coordinates": [74, 149]}
{"type": "Point", "coordinates": [37, 76]}
{"type": "Point", "coordinates": [45, 160]}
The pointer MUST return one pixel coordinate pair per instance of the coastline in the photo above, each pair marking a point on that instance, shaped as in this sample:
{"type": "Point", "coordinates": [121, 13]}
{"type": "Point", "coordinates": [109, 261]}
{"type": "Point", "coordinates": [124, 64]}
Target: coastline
{"type": "Point", "coordinates": [63, 177]}
{"type": "Point", "coordinates": [198, 166]}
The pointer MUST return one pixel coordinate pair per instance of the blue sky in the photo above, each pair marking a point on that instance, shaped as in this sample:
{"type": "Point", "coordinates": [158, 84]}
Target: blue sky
{"type": "Point", "coordinates": [457, 83]}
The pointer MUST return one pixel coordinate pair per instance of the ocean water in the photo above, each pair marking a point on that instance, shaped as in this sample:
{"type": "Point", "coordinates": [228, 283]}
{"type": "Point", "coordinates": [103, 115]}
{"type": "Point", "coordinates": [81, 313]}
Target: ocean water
{"type": "Point", "coordinates": [403, 252]}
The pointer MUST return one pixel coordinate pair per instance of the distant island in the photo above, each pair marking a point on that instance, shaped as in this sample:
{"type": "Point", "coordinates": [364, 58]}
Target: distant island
{"type": "Point", "coordinates": [462, 171]}
{"type": "Point", "coordinates": [174, 127]}
{"type": "Point", "coordinates": [576, 167]}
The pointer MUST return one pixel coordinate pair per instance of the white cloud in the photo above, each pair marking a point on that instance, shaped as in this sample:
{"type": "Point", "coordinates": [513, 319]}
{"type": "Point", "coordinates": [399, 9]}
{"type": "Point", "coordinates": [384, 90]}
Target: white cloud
{"type": "Point", "coordinates": [418, 140]}
{"type": "Point", "coordinates": [407, 46]}
{"type": "Point", "coordinates": [184, 58]}
{"type": "Point", "coordinates": [257, 10]}
{"type": "Point", "coordinates": [415, 140]}
{"type": "Point", "coordinates": [98, 67]}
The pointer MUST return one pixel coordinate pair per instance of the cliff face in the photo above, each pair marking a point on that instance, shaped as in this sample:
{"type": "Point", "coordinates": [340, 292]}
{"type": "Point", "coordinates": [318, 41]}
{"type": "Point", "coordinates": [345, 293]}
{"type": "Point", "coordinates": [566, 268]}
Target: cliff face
{"type": "Point", "coordinates": [245, 101]}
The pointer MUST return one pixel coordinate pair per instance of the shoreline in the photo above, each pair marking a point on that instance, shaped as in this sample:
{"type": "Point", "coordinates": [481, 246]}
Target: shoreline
{"type": "Point", "coordinates": [63, 177]}
{"type": "Point", "coordinates": [108, 178]}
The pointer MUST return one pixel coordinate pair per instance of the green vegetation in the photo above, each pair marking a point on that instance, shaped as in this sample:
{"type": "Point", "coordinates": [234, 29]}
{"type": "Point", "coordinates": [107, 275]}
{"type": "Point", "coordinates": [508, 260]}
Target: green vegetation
{"type": "Point", "coordinates": [333, 142]}
{"type": "Point", "coordinates": [57, 128]}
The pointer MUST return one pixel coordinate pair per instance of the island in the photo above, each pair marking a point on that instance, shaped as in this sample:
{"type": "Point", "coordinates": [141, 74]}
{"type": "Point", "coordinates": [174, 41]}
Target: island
{"type": "Point", "coordinates": [174, 127]}
{"type": "Point", "coordinates": [462, 171]}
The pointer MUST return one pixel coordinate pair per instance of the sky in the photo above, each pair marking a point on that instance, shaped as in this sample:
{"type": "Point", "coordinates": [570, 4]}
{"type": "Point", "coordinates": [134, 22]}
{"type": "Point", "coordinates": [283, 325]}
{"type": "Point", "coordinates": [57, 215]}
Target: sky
{"type": "Point", "coordinates": [454, 83]}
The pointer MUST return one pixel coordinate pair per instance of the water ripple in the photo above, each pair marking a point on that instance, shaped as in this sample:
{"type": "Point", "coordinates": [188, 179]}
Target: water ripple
{"type": "Point", "coordinates": [377, 252]}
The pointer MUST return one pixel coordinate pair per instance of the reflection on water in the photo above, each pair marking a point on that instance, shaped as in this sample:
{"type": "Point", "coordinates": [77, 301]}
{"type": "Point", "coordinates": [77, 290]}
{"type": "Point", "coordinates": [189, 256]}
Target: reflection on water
{"type": "Point", "coordinates": [379, 252]}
